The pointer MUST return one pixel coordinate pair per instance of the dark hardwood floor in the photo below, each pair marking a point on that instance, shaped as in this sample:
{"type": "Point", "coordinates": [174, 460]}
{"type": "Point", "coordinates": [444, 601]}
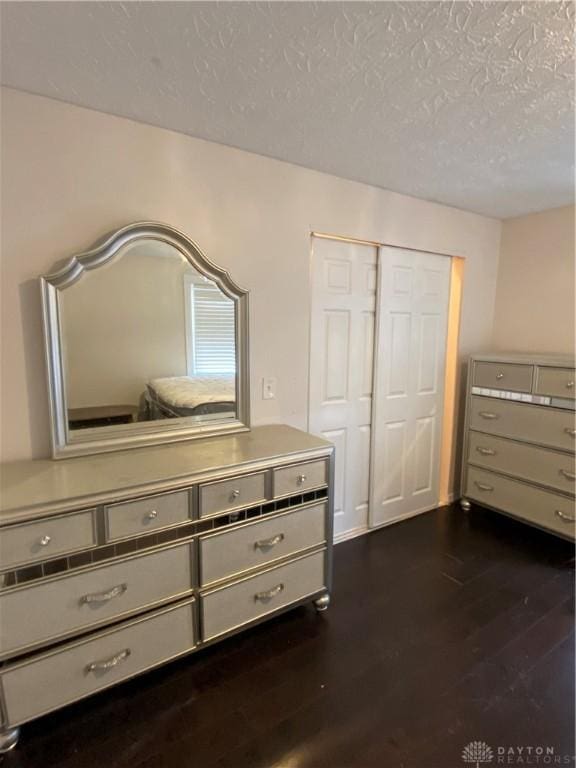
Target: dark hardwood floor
{"type": "Point", "coordinates": [445, 629]}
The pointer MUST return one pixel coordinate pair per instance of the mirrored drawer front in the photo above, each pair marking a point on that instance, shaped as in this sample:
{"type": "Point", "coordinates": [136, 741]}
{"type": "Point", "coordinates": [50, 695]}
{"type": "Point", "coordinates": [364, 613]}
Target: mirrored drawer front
{"type": "Point", "coordinates": [225, 495]}
{"type": "Point", "coordinates": [64, 605]}
{"type": "Point", "coordinates": [223, 555]}
{"type": "Point", "coordinates": [531, 423]}
{"type": "Point", "coordinates": [32, 542]}
{"type": "Point", "coordinates": [231, 607]}
{"type": "Point", "coordinates": [544, 508]}
{"type": "Point", "coordinates": [540, 465]}
{"type": "Point", "coordinates": [134, 518]}
{"type": "Point", "coordinates": [299, 478]}
{"type": "Point", "coordinates": [556, 382]}
{"type": "Point", "coordinates": [79, 669]}
{"type": "Point", "coordinates": [517, 378]}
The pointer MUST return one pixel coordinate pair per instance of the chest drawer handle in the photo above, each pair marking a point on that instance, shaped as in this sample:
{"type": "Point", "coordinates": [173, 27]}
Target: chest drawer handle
{"type": "Point", "coordinates": [489, 415]}
{"type": "Point", "coordinates": [104, 597]}
{"type": "Point", "coordinates": [566, 518]}
{"type": "Point", "coordinates": [483, 486]}
{"type": "Point", "coordinates": [269, 593]}
{"type": "Point", "coordinates": [499, 376]}
{"type": "Point", "coordinates": [567, 474]}
{"type": "Point", "coordinates": [152, 515]}
{"type": "Point", "coordinates": [45, 540]}
{"type": "Point", "coordinates": [265, 543]}
{"type": "Point", "coordinates": [570, 431]}
{"type": "Point", "coordinates": [102, 666]}
{"type": "Point", "coordinates": [234, 495]}
{"type": "Point", "coordinates": [301, 479]}
{"type": "Point", "coordinates": [485, 451]}
{"type": "Point", "coordinates": [569, 385]}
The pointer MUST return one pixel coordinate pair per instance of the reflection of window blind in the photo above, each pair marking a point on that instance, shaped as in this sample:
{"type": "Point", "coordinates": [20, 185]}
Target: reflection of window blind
{"type": "Point", "coordinates": [213, 331]}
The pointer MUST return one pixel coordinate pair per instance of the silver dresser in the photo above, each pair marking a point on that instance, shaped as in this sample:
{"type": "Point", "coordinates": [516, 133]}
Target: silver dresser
{"type": "Point", "coordinates": [114, 564]}
{"type": "Point", "coordinates": [520, 437]}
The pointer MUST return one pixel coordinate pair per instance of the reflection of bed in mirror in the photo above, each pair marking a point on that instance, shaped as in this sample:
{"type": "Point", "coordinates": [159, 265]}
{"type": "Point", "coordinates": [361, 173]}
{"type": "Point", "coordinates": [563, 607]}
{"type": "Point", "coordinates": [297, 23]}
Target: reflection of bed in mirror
{"type": "Point", "coordinates": [180, 396]}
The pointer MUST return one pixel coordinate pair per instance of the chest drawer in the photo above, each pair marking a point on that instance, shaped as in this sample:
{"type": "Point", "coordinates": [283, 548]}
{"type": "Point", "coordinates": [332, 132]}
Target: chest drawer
{"type": "Point", "coordinates": [134, 518]}
{"type": "Point", "coordinates": [545, 508]}
{"type": "Point", "coordinates": [231, 607]}
{"type": "Point", "coordinates": [512, 376]}
{"type": "Point", "coordinates": [531, 423]}
{"type": "Point", "coordinates": [226, 495]}
{"type": "Point", "coordinates": [298, 478]}
{"type": "Point", "coordinates": [223, 555]}
{"type": "Point", "coordinates": [540, 465]}
{"type": "Point", "coordinates": [76, 670]}
{"type": "Point", "coordinates": [43, 611]}
{"type": "Point", "coordinates": [32, 542]}
{"type": "Point", "coordinates": [556, 382]}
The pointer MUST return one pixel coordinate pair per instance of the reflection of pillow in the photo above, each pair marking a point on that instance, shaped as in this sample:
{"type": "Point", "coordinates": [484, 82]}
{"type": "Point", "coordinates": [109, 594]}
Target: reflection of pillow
{"type": "Point", "coordinates": [190, 391]}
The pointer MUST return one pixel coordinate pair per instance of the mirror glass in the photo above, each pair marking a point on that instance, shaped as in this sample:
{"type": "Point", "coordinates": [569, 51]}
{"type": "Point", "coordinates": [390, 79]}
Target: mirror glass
{"type": "Point", "coordinates": [146, 337]}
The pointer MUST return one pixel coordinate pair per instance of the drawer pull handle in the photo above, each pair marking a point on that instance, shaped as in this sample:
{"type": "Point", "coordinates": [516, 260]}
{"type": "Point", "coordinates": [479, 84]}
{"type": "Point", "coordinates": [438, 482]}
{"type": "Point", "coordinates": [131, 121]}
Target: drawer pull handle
{"type": "Point", "coordinates": [45, 540]}
{"type": "Point", "coordinates": [235, 493]}
{"type": "Point", "coordinates": [483, 486]}
{"type": "Point", "coordinates": [565, 517]}
{"type": "Point", "coordinates": [569, 385]}
{"type": "Point", "coordinates": [568, 475]}
{"type": "Point", "coordinates": [485, 451]}
{"type": "Point", "coordinates": [104, 597]}
{"type": "Point", "coordinates": [265, 543]}
{"type": "Point", "coordinates": [301, 479]}
{"type": "Point", "coordinates": [101, 666]}
{"type": "Point", "coordinates": [499, 376]}
{"type": "Point", "coordinates": [269, 593]}
{"type": "Point", "coordinates": [489, 415]}
{"type": "Point", "coordinates": [570, 431]}
{"type": "Point", "coordinates": [152, 515]}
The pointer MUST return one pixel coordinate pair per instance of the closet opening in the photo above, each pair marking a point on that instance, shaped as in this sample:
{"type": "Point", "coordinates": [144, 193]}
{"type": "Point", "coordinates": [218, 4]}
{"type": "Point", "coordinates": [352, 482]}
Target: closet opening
{"type": "Point", "coordinates": [383, 354]}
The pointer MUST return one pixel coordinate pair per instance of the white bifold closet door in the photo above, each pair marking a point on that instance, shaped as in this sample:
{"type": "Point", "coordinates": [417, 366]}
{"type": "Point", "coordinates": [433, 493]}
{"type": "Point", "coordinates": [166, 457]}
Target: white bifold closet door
{"type": "Point", "coordinates": [414, 291]}
{"type": "Point", "coordinates": [341, 370]}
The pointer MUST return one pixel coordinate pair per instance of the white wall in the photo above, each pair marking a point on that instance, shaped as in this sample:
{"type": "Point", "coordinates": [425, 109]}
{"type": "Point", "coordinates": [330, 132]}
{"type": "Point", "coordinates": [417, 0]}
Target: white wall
{"type": "Point", "coordinates": [535, 297]}
{"type": "Point", "coordinates": [71, 174]}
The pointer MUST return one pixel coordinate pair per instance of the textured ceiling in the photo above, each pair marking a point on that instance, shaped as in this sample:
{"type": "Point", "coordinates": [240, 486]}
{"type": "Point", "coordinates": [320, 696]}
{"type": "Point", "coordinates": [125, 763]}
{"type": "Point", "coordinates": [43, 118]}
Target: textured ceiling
{"type": "Point", "coordinates": [466, 103]}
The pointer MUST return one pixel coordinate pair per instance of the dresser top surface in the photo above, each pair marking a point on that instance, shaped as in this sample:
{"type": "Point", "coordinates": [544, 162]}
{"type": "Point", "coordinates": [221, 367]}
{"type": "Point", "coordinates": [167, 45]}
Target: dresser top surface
{"type": "Point", "coordinates": [44, 483]}
{"type": "Point", "coordinates": [534, 358]}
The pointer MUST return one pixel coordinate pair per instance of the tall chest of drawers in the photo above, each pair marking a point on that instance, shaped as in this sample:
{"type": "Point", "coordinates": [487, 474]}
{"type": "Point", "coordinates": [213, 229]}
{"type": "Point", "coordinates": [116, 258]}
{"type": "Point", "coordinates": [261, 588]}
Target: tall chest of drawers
{"type": "Point", "coordinates": [520, 436]}
{"type": "Point", "coordinates": [115, 564]}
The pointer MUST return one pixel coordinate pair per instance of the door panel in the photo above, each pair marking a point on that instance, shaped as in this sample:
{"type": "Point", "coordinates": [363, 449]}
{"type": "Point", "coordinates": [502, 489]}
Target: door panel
{"type": "Point", "coordinates": [344, 282]}
{"type": "Point", "coordinates": [409, 379]}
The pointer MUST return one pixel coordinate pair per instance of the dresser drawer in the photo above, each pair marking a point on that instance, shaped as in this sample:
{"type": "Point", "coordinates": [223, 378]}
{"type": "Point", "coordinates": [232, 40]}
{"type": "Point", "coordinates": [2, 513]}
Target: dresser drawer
{"type": "Point", "coordinates": [516, 378]}
{"type": "Point", "coordinates": [32, 542]}
{"type": "Point", "coordinates": [42, 611]}
{"type": "Point", "coordinates": [231, 607]}
{"type": "Point", "coordinates": [225, 495]}
{"type": "Point", "coordinates": [75, 670]}
{"type": "Point", "coordinates": [530, 423]}
{"type": "Point", "coordinates": [545, 508]}
{"type": "Point", "coordinates": [556, 382]}
{"type": "Point", "coordinates": [298, 478]}
{"type": "Point", "coordinates": [223, 555]}
{"type": "Point", "coordinates": [134, 518]}
{"type": "Point", "coordinates": [529, 462]}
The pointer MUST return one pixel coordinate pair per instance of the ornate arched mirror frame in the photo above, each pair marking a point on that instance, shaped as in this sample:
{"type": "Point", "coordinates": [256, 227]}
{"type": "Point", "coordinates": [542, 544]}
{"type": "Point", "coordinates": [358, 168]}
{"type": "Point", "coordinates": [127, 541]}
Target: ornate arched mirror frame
{"type": "Point", "coordinates": [66, 442]}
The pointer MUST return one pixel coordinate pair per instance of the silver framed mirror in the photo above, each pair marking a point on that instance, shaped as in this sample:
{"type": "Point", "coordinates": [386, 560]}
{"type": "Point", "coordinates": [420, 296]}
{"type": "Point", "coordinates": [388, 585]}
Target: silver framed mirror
{"type": "Point", "coordinates": [146, 343]}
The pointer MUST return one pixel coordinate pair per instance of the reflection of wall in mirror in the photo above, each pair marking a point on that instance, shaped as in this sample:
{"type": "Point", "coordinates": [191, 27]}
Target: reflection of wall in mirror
{"type": "Point", "coordinates": [123, 324]}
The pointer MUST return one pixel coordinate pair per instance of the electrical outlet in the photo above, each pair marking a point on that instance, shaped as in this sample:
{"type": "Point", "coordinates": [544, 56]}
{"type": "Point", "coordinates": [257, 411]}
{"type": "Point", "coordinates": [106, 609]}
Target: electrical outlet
{"type": "Point", "coordinates": [269, 388]}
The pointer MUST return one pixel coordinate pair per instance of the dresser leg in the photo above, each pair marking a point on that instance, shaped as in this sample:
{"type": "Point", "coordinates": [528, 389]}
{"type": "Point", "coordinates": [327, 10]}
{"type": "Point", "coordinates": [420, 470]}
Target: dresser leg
{"type": "Point", "coordinates": [8, 739]}
{"type": "Point", "coordinates": [465, 504]}
{"type": "Point", "coordinates": [322, 603]}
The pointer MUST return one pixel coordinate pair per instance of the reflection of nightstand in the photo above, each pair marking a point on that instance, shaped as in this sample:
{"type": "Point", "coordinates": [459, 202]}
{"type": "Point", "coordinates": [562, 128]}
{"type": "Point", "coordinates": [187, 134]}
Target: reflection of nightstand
{"type": "Point", "coordinates": [101, 416]}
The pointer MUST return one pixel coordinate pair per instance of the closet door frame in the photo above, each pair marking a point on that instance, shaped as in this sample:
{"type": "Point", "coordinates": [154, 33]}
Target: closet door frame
{"type": "Point", "coordinates": [452, 338]}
